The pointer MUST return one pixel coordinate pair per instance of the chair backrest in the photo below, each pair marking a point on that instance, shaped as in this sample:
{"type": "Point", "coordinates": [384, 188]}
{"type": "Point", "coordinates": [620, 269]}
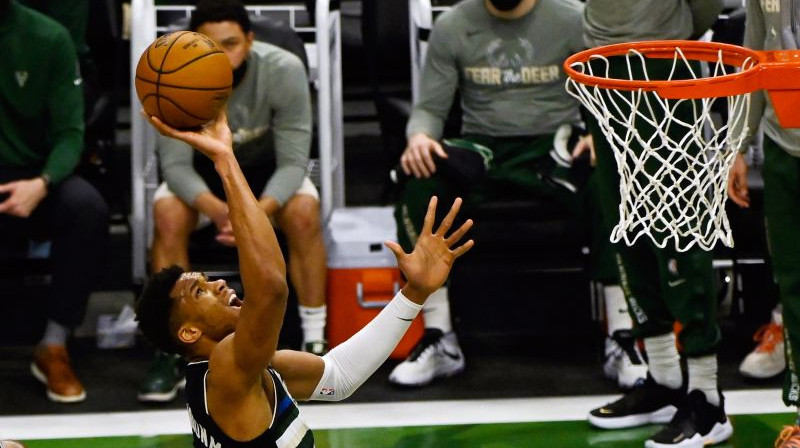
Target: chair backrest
{"type": "Point", "coordinates": [266, 29]}
{"type": "Point", "coordinates": [384, 30]}
{"type": "Point", "coordinates": [421, 14]}
{"type": "Point", "coordinates": [323, 53]}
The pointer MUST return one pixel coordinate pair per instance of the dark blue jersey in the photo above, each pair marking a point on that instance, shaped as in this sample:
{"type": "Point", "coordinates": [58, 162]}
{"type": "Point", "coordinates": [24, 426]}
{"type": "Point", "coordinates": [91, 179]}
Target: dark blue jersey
{"type": "Point", "coordinates": [288, 430]}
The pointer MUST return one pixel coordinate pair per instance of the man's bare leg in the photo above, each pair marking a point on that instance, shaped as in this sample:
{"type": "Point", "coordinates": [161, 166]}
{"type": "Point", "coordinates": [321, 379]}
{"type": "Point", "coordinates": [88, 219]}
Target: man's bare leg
{"type": "Point", "coordinates": [173, 222]}
{"type": "Point", "coordinates": [299, 220]}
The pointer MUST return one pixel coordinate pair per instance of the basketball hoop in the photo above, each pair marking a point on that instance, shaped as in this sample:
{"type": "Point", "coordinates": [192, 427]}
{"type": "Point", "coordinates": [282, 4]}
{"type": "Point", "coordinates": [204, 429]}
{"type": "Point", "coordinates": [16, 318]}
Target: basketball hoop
{"type": "Point", "coordinates": [674, 171]}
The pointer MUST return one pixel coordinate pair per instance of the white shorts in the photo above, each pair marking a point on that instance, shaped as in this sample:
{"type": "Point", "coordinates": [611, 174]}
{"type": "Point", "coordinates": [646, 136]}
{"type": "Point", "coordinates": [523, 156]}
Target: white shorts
{"type": "Point", "coordinates": [162, 192]}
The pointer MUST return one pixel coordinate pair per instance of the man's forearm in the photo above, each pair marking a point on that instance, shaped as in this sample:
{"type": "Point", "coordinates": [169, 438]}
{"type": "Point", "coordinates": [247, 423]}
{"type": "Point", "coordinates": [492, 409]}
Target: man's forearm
{"type": "Point", "coordinates": [424, 122]}
{"type": "Point", "coordinates": [269, 205]}
{"type": "Point", "coordinates": [258, 246]}
{"type": "Point", "coordinates": [262, 269]}
{"type": "Point", "coordinates": [352, 362]}
{"type": "Point", "coordinates": [210, 205]}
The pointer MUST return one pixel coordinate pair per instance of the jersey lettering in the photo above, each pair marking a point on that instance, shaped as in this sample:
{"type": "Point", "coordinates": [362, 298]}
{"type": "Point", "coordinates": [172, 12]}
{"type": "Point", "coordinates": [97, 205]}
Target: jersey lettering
{"type": "Point", "coordinates": [771, 5]}
{"type": "Point", "coordinates": [510, 62]}
{"type": "Point", "coordinates": [244, 135]}
{"type": "Point", "coordinates": [493, 76]}
{"type": "Point", "coordinates": [201, 432]}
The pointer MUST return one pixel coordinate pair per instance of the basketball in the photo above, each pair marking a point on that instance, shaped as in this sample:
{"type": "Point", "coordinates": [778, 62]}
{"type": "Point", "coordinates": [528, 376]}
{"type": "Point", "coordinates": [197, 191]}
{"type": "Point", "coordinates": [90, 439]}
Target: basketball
{"type": "Point", "coordinates": [183, 78]}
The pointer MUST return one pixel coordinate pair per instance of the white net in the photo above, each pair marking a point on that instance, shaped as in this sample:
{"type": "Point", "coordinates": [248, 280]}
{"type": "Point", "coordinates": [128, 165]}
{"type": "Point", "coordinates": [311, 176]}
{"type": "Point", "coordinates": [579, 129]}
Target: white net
{"type": "Point", "coordinates": [673, 155]}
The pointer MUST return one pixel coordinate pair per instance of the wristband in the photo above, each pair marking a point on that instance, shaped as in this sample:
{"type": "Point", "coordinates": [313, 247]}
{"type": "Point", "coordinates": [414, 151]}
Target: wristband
{"type": "Point", "coordinates": [47, 183]}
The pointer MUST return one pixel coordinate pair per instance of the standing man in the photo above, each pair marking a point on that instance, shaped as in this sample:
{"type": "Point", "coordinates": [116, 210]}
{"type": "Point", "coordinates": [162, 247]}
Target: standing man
{"type": "Point", "coordinates": [41, 140]}
{"type": "Point", "coordinates": [773, 25]}
{"type": "Point", "coordinates": [270, 116]}
{"type": "Point", "coordinates": [662, 285]}
{"type": "Point", "coordinates": [504, 57]}
{"type": "Point", "coordinates": [238, 386]}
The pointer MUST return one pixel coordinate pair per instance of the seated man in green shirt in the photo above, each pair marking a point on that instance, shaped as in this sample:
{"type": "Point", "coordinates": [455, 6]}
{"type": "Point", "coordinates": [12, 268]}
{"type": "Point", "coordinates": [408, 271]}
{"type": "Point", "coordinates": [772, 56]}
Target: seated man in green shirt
{"type": "Point", "coordinates": [41, 141]}
{"type": "Point", "coordinates": [270, 115]}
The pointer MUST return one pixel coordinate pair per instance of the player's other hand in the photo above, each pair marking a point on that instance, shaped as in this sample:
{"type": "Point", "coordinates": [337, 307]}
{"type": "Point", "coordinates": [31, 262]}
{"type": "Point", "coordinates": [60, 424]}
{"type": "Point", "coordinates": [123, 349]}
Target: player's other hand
{"type": "Point", "coordinates": [737, 183]}
{"type": "Point", "coordinates": [417, 159]}
{"type": "Point", "coordinates": [213, 139]}
{"type": "Point", "coordinates": [428, 266]}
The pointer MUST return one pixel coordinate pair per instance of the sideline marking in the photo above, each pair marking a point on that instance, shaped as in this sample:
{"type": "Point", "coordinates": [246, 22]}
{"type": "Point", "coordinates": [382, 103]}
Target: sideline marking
{"type": "Point", "coordinates": [361, 415]}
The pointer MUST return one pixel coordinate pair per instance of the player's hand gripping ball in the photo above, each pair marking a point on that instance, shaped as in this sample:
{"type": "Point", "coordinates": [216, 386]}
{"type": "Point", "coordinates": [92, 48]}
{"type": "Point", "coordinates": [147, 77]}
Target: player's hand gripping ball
{"type": "Point", "coordinates": [184, 79]}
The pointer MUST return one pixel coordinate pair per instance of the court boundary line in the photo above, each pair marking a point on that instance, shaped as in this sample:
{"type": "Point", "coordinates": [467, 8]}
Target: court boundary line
{"type": "Point", "coordinates": [359, 415]}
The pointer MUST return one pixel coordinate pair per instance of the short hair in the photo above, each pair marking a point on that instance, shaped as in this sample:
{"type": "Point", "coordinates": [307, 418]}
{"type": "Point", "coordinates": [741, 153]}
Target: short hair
{"type": "Point", "coordinates": [211, 11]}
{"type": "Point", "coordinates": [154, 310]}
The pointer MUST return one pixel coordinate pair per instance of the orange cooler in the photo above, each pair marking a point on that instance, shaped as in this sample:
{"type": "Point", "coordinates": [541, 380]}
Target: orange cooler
{"type": "Point", "coordinates": [362, 273]}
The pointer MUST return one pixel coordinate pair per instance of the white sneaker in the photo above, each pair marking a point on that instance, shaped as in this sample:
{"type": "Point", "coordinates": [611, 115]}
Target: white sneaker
{"type": "Point", "coordinates": [767, 359]}
{"type": "Point", "coordinates": [436, 355]}
{"type": "Point", "coordinates": [623, 360]}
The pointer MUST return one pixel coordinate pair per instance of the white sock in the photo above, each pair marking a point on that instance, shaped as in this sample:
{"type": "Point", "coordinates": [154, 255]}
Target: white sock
{"type": "Point", "coordinates": [777, 315]}
{"type": "Point", "coordinates": [436, 311]}
{"type": "Point", "coordinates": [663, 360]}
{"type": "Point", "coordinates": [55, 334]}
{"type": "Point", "coordinates": [703, 377]}
{"type": "Point", "coordinates": [617, 317]}
{"type": "Point", "coordinates": [312, 321]}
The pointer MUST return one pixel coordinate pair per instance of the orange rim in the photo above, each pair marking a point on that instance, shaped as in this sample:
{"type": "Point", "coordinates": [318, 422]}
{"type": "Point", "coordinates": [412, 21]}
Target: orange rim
{"type": "Point", "coordinates": [748, 80]}
{"type": "Point", "coordinates": [776, 71]}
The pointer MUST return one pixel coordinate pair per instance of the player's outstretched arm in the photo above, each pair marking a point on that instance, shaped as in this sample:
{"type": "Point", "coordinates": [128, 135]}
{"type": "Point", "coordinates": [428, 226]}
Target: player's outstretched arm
{"type": "Point", "coordinates": [427, 267]}
{"type": "Point", "coordinates": [339, 373]}
{"type": "Point", "coordinates": [261, 263]}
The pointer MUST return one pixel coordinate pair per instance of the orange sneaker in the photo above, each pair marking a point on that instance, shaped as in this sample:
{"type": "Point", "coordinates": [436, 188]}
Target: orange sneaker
{"type": "Point", "coordinates": [767, 359]}
{"type": "Point", "coordinates": [789, 437]}
{"type": "Point", "coordinates": [51, 366]}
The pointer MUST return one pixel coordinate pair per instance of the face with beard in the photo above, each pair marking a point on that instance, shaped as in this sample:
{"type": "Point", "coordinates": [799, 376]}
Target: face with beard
{"type": "Point", "coordinates": [505, 5]}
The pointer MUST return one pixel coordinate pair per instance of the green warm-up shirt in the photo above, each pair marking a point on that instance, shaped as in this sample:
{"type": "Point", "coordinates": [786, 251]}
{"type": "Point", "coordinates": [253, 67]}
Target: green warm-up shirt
{"type": "Point", "coordinates": [41, 98]}
{"type": "Point", "coordinates": [272, 96]}
{"type": "Point", "coordinates": [509, 72]}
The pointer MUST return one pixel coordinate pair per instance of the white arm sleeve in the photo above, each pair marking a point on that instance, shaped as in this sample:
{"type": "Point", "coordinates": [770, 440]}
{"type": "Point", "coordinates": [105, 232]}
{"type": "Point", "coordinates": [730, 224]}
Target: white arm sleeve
{"type": "Point", "coordinates": [350, 363]}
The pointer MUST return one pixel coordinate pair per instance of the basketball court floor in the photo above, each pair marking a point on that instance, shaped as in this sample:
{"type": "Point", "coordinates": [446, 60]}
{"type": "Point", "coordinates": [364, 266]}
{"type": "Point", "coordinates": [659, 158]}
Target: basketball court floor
{"type": "Point", "coordinates": [509, 396]}
{"type": "Point", "coordinates": [535, 422]}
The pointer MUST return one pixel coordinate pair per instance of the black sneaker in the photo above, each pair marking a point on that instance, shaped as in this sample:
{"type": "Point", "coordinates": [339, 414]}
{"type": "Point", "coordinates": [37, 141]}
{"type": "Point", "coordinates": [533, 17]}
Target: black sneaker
{"type": "Point", "coordinates": [646, 403]}
{"type": "Point", "coordinates": [696, 424]}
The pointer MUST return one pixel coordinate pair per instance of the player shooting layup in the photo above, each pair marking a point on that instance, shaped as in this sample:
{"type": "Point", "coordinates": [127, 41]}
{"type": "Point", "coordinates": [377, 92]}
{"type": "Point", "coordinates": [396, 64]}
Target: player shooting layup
{"type": "Point", "coordinates": [239, 388]}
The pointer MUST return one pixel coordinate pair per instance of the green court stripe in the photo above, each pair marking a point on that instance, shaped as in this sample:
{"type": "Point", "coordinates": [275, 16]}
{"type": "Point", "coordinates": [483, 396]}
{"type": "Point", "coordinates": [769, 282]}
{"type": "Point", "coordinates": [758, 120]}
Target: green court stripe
{"type": "Point", "coordinates": [749, 431]}
{"type": "Point", "coordinates": [361, 415]}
